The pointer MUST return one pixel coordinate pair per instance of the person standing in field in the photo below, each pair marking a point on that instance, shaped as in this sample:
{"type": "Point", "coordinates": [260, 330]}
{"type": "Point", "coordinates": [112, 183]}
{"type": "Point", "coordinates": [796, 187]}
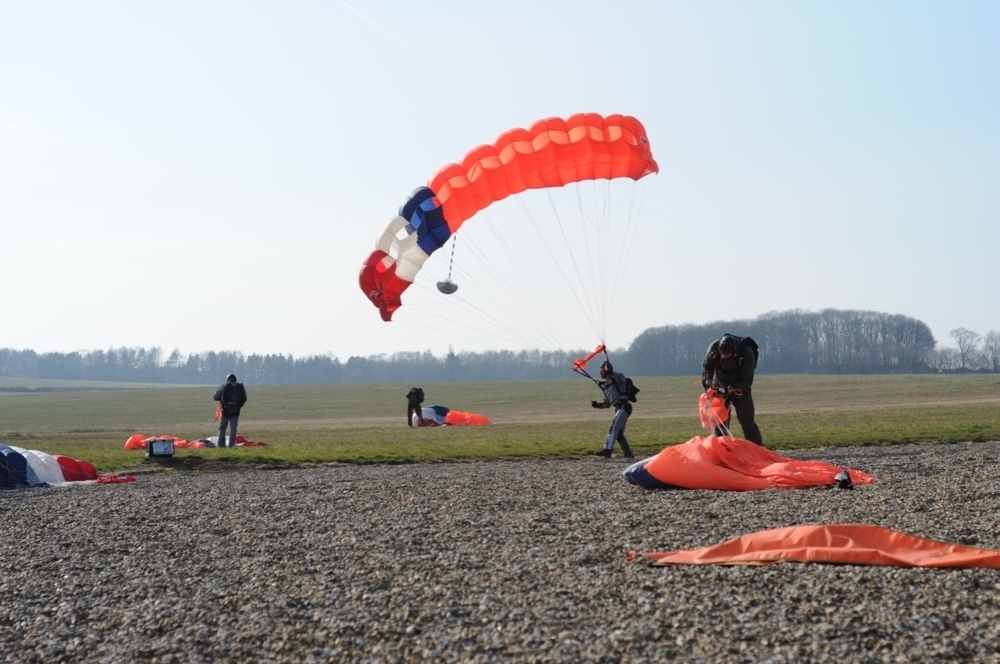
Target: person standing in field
{"type": "Point", "coordinates": [613, 385]}
{"type": "Point", "coordinates": [232, 396]}
{"type": "Point", "coordinates": [728, 369]}
{"type": "Point", "coordinates": [414, 398]}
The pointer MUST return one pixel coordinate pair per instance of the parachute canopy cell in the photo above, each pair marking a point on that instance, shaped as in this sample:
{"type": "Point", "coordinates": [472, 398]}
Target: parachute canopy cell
{"type": "Point", "coordinates": [550, 153]}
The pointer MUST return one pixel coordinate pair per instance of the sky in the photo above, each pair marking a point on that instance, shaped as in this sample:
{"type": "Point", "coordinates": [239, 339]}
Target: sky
{"type": "Point", "coordinates": [210, 175]}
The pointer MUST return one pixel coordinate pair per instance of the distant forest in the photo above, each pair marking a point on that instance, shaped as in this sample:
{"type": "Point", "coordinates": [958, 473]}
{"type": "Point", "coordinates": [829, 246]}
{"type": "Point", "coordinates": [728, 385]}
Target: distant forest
{"type": "Point", "coordinates": [828, 342]}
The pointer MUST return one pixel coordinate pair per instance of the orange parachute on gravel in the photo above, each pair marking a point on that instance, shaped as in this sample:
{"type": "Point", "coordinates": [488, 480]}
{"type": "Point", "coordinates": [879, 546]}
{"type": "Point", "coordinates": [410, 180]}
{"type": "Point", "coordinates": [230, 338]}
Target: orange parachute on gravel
{"type": "Point", "coordinates": [552, 152]}
{"type": "Point", "coordinates": [844, 544]}
{"type": "Point", "coordinates": [725, 463]}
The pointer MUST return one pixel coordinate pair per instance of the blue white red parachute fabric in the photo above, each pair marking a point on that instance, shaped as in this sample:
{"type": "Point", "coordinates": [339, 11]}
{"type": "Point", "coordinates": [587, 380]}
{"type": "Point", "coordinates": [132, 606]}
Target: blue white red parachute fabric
{"type": "Point", "coordinates": [21, 468]}
{"type": "Point", "coordinates": [726, 463]}
{"type": "Point", "coordinates": [841, 544]}
{"type": "Point", "coordinates": [552, 152]}
{"type": "Point", "coordinates": [437, 416]}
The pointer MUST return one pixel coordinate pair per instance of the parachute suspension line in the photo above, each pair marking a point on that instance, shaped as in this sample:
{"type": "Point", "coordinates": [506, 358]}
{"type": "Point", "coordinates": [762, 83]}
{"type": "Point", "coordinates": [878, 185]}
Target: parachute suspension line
{"type": "Point", "coordinates": [630, 231]}
{"type": "Point", "coordinates": [443, 321]}
{"type": "Point", "coordinates": [577, 287]}
{"type": "Point", "coordinates": [593, 289]}
{"type": "Point", "coordinates": [542, 309]}
{"type": "Point", "coordinates": [448, 286]}
{"type": "Point", "coordinates": [451, 261]}
{"type": "Point", "coordinates": [624, 225]}
{"type": "Point", "coordinates": [512, 301]}
{"type": "Point", "coordinates": [614, 239]}
{"type": "Point", "coordinates": [519, 297]}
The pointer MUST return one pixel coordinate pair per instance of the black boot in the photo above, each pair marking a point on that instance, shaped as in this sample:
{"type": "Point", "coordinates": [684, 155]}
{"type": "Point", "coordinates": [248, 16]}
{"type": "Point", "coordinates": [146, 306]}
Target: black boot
{"type": "Point", "coordinates": [603, 453]}
{"type": "Point", "coordinates": [626, 450]}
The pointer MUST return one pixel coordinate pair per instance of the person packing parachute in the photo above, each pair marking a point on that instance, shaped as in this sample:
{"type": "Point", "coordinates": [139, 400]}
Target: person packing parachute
{"type": "Point", "coordinates": [727, 372]}
{"type": "Point", "coordinates": [414, 398]}
{"type": "Point", "coordinates": [619, 393]}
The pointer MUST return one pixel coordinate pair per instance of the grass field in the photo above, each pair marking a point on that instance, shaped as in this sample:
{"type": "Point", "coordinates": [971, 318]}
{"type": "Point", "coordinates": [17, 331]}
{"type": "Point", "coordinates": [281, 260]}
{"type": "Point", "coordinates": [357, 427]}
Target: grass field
{"type": "Point", "coordinates": [367, 424]}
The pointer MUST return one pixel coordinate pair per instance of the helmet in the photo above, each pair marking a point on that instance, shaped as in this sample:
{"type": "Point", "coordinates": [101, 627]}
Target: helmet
{"type": "Point", "coordinates": [606, 369]}
{"type": "Point", "coordinates": [231, 378]}
{"type": "Point", "coordinates": [727, 344]}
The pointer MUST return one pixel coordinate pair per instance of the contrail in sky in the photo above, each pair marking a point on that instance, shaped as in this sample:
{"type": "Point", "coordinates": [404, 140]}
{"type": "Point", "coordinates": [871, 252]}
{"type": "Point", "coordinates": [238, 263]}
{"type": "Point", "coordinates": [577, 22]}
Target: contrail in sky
{"type": "Point", "coordinates": [390, 35]}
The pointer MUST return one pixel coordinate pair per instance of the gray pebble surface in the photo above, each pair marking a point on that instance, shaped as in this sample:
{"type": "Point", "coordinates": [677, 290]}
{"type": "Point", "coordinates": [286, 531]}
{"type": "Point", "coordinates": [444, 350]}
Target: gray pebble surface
{"type": "Point", "coordinates": [503, 561]}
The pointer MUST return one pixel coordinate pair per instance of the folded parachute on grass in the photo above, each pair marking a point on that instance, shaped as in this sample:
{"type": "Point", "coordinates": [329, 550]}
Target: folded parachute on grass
{"type": "Point", "coordinates": [726, 463]}
{"type": "Point", "coordinates": [21, 468]}
{"type": "Point", "coordinates": [139, 442]}
{"type": "Point", "coordinates": [844, 544]}
{"type": "Point", "coordinates": [437, 416]}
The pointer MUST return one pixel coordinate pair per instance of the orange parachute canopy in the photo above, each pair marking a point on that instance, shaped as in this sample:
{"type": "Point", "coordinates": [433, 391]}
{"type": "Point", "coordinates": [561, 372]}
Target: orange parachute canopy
{"type": "Point", "coordinates": [140, 442]}
{"type": "Point", "coordinates": [437, 415]}
{"type": "Point", "coordinates": [732, 464]}
{"type": "Point", "coordinates": [550, 153]}
{"type": "Point", "coordinates": [851, 544]}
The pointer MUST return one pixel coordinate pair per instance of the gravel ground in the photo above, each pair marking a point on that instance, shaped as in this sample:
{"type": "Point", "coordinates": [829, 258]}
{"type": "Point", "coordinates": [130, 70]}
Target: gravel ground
{"type": "Point", "coordinates": [488, 562]}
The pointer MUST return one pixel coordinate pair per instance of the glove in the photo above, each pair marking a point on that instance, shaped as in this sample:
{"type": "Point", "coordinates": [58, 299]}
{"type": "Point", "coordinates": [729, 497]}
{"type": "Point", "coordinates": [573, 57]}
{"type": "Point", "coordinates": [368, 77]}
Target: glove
{"type": "Point", "coordinates": [594, 404]}
{"type": "Point", "coordinates": [722, 391]}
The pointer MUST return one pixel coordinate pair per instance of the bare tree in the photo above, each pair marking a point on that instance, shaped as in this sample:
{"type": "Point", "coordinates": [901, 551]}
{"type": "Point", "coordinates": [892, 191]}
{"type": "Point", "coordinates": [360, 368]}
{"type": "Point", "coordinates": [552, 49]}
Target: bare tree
{"type": "Point", "coordinates": [966, 340]}
{"type": "Point", "coordinates": [991, 347]}
{"type": "Point", "coordinates": [945, 359]}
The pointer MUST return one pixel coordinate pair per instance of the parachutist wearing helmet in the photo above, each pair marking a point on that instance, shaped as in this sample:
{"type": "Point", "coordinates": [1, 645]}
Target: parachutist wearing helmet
{"type": "Point", "coordinates": [728, 368]}
{"type": "Point", "coordinates": [612, 384]}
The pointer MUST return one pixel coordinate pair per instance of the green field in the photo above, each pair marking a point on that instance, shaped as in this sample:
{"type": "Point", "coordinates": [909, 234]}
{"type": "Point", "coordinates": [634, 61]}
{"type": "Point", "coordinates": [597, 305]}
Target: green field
{"type": "Point", "coordinates": [367, 424]}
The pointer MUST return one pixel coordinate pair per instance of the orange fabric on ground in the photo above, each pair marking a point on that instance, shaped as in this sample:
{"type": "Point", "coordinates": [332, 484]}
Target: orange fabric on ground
{"type": "Point", "coordinates": [733, 464]}
{"type": "Point", "coordinates": [852, 544]}
{"type": "Point", "coordinates": [459, 418]}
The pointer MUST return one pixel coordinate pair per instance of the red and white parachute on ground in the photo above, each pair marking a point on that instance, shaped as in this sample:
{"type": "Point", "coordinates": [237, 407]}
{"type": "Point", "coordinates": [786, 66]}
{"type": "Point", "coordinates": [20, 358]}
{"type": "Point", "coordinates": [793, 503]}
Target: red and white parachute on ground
{"type": "Point", "coordinates": [437, 416]}
{"type": "Point", "coordinates": [21, 468]}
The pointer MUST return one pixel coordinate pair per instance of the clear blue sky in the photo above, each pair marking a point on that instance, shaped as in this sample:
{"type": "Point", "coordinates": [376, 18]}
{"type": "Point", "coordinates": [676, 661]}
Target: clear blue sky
{"type": "Point", "coordinates": [210, 175]}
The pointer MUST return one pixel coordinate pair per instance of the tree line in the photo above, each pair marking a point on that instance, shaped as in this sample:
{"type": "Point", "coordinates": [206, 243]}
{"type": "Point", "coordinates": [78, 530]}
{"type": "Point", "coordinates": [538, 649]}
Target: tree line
{"type": "Point", "coordinates": [830, 341]}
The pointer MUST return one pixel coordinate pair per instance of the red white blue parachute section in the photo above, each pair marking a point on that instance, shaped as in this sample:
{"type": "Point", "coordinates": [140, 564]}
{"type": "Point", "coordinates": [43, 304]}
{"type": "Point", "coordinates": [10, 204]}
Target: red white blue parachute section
{"type": "Point", "coordinates": [438, 416]}
{"type": "Point", "coordinates": [21, 468]}
{"type": "Point", "coordinates": [551, 153]}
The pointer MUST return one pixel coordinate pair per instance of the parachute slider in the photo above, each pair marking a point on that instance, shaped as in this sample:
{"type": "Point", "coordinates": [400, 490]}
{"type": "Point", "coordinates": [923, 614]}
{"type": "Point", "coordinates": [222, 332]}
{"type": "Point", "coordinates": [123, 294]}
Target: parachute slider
{"type": "Point", "coordinates": [447, 286]}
